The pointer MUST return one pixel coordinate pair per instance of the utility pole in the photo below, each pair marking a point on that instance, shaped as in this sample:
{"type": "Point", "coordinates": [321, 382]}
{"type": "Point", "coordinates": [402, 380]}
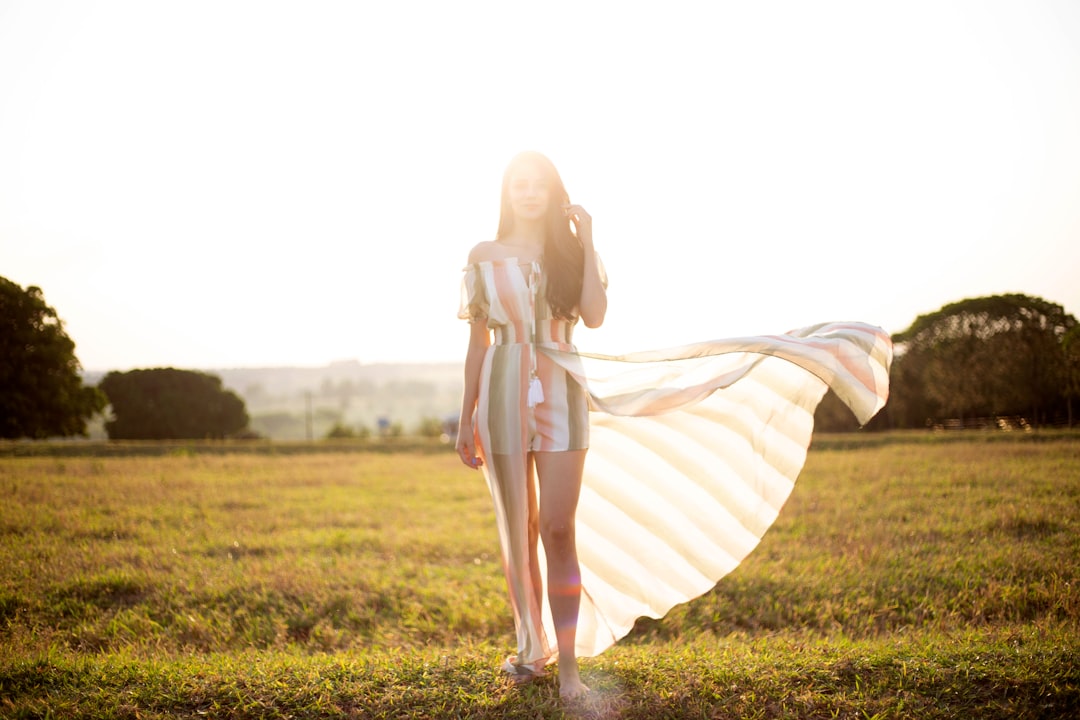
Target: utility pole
{"type": "Point", "coordinates": [307, 416]}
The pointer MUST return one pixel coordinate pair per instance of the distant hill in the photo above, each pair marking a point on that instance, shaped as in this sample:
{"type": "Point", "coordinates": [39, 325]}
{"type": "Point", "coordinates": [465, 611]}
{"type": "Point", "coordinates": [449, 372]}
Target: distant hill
{"type": "Point", "coordinates": [283, 400]}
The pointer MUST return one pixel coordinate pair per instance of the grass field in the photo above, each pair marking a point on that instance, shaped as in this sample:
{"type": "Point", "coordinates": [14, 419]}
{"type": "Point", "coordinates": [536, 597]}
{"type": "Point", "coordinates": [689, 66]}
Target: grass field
{"type": "Point", "coordinates": [908, 576]}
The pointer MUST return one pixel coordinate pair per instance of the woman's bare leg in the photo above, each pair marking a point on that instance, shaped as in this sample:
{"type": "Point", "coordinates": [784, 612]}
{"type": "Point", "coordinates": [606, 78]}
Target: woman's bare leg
{"type": "Point", "coordinates": [534, 534]}
{"type": "Point", "coordinates": [560, 486]}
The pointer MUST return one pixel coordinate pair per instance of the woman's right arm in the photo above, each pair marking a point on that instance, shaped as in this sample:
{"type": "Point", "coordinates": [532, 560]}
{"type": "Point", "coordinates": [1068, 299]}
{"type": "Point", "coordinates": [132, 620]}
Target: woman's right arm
{"type": "Point", "coordinates": [479, 340]}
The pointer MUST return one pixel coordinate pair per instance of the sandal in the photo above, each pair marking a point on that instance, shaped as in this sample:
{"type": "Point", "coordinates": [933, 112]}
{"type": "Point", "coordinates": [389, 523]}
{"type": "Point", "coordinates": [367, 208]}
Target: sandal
{"type": "Point", "coordinates": [521, 674]}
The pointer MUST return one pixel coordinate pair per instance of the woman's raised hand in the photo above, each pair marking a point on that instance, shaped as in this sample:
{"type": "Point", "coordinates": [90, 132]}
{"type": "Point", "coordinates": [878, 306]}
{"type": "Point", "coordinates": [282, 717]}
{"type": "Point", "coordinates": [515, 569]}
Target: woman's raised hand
{"type": "Point", "coordinates": [582, 221]}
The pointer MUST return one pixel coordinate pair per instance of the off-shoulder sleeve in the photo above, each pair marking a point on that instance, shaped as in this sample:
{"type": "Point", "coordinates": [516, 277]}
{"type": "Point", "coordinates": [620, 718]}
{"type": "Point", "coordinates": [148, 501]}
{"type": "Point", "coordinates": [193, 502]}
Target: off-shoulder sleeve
{"type": "Point", "coordinates": [474, 302]}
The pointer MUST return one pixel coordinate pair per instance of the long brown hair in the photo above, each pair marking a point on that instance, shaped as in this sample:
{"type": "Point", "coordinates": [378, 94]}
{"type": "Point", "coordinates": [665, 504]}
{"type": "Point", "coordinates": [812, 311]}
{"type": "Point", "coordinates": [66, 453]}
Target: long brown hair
{"type": "Point", "coordinates": [564, 257]}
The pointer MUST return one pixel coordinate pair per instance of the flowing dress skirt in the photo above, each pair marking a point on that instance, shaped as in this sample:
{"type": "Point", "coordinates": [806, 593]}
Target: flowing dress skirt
{"type": "Point", "coordinates": [693, 452]}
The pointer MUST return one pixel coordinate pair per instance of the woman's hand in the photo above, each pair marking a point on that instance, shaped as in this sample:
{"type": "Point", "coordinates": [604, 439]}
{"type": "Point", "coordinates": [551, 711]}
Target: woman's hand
{"type": "Point", "coordinates": [593, 303]}
{"type": "Point", "coordinates": [582, 222]}
{"type": "Point", "coordinates": [466, 445]}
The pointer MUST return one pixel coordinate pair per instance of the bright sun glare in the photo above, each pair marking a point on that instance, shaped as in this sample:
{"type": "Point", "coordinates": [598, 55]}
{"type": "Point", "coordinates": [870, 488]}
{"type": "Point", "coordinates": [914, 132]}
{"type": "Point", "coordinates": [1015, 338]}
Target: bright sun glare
{"type": "Point", "coordinates": [248, 183]}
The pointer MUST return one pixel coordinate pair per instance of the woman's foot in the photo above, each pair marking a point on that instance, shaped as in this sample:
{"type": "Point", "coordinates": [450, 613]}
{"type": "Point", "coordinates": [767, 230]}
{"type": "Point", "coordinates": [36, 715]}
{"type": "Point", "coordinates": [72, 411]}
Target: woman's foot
{"type": "Point", "coordinates": [576, 690]}
{"type": "Point", "coordinates": [570, 685]}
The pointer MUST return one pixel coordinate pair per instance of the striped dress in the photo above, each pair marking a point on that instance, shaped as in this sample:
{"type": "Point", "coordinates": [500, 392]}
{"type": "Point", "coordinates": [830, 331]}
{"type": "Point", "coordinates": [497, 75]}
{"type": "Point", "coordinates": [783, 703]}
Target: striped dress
{"type": "Point", "coordinates": [693, 450]}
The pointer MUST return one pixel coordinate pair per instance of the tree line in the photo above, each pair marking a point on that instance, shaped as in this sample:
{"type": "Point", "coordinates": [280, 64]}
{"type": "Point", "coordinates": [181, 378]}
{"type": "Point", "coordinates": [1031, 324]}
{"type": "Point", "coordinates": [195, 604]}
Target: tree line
{"type": "Point", "coordinates": [989, 358]}
{"type": "Point", "coordinates": [1001, 356]}
{"type": "Point", "coordinates": [42, 394]}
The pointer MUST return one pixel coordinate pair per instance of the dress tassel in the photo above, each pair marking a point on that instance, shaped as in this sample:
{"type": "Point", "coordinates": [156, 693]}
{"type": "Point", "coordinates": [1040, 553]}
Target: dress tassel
{"type": "Point", "coordinates": [536, 392]}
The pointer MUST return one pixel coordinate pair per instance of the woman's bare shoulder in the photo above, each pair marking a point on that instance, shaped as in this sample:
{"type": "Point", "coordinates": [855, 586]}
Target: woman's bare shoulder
{"type": "Point", "coordinates": [494, 251]}
{"type": "Point", "coordinates": [485, 251]}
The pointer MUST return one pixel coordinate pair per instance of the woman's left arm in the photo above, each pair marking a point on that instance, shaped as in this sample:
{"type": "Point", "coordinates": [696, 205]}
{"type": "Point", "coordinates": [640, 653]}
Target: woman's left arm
{"type": "Point", "coordinates": [593, 304]}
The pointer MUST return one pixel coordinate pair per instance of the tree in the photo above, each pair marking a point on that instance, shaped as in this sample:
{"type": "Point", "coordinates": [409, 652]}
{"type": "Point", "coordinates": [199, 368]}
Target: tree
{"type": "Point", "coordinates": [429, 427]}
{"type": "Point", "coordinates": [1070, 345]}
{"type": "Point", "coordinates": [340, 431]}
{"type": "Point", "coordinates": [996, 355]}
{"type": "Point", "coordinates": [171, 404]}
{"type": "Point", "coordinates": [43, 394]}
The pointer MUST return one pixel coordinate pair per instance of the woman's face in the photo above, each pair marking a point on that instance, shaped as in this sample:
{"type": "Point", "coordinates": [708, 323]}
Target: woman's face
{"type": "Point", "coordinates": [530, 192]}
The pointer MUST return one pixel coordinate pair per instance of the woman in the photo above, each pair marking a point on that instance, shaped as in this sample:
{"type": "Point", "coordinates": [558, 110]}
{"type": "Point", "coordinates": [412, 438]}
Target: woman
{"type": "Point", "coordinates": [530, 285]}
{"type": "Point", "coordinates": [692, 450]}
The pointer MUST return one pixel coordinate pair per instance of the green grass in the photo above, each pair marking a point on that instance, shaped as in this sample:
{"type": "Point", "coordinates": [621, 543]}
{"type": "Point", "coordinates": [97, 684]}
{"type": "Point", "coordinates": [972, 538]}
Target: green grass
{"type": "Point", "coordinates": [909, 575]}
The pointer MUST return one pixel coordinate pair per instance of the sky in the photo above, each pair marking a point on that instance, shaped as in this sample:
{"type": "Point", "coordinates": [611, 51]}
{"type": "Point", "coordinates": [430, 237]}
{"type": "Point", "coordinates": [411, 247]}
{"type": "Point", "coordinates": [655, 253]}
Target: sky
{"type": "Point", "coordinates": [256, 183]}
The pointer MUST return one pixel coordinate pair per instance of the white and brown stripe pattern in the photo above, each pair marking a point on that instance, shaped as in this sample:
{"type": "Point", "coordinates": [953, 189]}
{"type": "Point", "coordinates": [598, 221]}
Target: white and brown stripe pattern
{"type": "Point", "coordinates": [693, 451]}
